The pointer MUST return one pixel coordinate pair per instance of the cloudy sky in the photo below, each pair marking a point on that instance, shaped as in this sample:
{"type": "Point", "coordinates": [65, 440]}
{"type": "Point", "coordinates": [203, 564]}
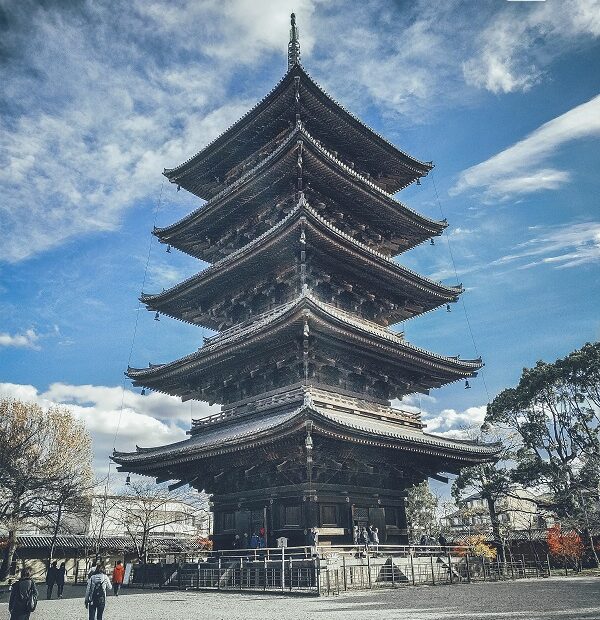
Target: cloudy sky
{"type": "Point", "coordinates": [98, 97]}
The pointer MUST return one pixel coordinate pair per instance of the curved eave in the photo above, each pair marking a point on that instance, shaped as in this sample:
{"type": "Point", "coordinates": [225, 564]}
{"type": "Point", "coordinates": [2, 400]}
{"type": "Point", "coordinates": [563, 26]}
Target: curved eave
{"type": "Point", "coordinates": [417, 165]}
{"type": "Point", "coordinates": [264, 326]}
{"type": "Point", "coordinates": [250, 434]}
{"type": "Point", "coordinates": [421, 168]}
{"type": "Point", "coordinates": [173, 173]}
{"type": "Point", "coordinates": [405, 215]}
{"type": "Point", "coordinates": [252, 251]}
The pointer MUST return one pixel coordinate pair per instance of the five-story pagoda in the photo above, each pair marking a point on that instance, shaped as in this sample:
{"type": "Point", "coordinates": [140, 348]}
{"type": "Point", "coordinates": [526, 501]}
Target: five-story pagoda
{"type": "Point", "coordinates": [300, 228]}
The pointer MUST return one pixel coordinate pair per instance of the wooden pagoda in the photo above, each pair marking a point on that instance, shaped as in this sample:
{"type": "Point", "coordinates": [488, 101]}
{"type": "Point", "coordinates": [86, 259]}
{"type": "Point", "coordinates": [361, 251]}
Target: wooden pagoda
{"type": "Point", "coordinates": [300, 228]}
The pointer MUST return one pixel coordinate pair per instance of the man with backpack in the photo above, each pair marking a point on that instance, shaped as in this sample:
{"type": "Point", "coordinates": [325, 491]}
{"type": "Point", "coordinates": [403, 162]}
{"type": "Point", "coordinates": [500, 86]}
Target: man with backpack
{"type": "Point", "coordinates": [95, 594]}
{"type": "Point", "coordinates": [23, 597]}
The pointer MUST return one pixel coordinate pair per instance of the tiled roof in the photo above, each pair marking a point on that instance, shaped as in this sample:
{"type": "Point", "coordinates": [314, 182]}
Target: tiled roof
{"type": "Point", "coordinates": [419, 282]}
{"type": "Point", "coordinates": [261, 322]}
{"type": "Point", "coordinates": [115, 543]}
{"type": "Point", "coordinates": [248, 429]}
{"type": "Point", "coordinates": [420, 220]}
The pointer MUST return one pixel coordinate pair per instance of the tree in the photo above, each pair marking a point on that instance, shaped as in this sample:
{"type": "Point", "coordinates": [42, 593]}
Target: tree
{"type": "Point", "coordinates": [148, 508]}
{"type": "Point", "coordinates": [420, 512]}
{"type": "Point", "coordinates": [555, 412]}
{"type": "Point", "coordinates": [491, 483]}
{"type": "Point", "coordinates": [45, 461]}
{"type": "Point", "coordinates": [479, 547]}
{"type": "Point", "coordinates": [567, 546]}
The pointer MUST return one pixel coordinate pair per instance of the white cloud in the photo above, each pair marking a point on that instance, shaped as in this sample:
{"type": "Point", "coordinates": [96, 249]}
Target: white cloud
{"type": "Point", "coordinates": [564, 246]}
{"type": "Point", "coordinates": [458, 424]}
{"type": "Point", "coordinates": [27, 340]}
{"type": "Point", "coordinates": [98, 99]}
{"type": "Point", "coordinates": [109, 412]}
{"type": "Point", "coordinates": [519, 169]}
{"type": "Point", "coordinates": [508, 53]}
{"type": "Point", "coordinates": [448, 422]}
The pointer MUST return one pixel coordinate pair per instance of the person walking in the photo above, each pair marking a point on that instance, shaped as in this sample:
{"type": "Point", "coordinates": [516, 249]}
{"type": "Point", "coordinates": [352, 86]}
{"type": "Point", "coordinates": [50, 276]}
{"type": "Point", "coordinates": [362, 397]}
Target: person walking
{"type": "Point", "coordinates": [117, 577]}
{"type": "Point", "coordinates": [51, 578]}
{"type": "Point", "coordinates": [95, 593]}
{"type": "Point", "coordinates": [61, 576]}
{"type": "Point", "coordinates": [23, 597]}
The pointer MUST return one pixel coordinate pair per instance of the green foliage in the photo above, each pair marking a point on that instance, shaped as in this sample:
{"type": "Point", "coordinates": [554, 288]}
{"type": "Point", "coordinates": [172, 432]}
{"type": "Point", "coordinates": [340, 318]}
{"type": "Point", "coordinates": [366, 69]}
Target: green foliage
{"type": "Point", "coordinates": [420, 512]}
{"type": "Point", "coordinates": [555, 412]}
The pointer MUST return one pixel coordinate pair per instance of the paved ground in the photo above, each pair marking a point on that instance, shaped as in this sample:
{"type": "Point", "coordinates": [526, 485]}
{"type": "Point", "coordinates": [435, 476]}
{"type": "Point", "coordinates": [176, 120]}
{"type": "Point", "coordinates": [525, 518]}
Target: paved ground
{"type": "Point", "coordinates": [543, 599]}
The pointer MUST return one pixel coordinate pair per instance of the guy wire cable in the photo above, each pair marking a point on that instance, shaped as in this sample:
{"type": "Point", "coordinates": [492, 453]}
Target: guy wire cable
{"type": "Point", "coordinates": [462, 300]}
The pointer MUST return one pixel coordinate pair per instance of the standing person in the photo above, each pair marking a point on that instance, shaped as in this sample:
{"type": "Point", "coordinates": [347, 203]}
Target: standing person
{"type": "Point", "coordinates": [61, 576]}
{"type": "Point", "coordinates": [51, 578]}
{"type": "Point", "coordinates": [117, 577]}
{"type": "Point", "coordinates": [443, 542]}
{"type": "Point", "coordinates": [23, 597]}
{"type": "Point", "coordinates": [95, 593]}
{"type": "Point", "coordinates": [375, 539]}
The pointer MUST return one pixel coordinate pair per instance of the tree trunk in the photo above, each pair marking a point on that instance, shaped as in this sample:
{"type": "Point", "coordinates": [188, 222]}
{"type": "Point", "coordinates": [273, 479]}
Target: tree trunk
{"type": "Point", "coordinates": [496, 528]}
{"type": "Point", "coordinates": [9, 552]}
{"type": "Point", "coordinates": [55, 533]}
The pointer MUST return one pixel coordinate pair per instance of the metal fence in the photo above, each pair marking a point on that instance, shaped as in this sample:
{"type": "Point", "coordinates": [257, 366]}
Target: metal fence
{"type": "Point", "coordinates": [333, 569]}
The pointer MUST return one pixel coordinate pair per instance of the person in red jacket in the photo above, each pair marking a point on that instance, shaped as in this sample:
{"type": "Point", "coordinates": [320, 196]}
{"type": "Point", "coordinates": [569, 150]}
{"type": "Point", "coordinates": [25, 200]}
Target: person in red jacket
{"type": "Point", "coordinates": [117, 577]}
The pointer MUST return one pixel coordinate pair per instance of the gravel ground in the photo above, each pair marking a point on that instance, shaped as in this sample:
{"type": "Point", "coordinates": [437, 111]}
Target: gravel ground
{"type": "Point", "coordinates": [543, 599]}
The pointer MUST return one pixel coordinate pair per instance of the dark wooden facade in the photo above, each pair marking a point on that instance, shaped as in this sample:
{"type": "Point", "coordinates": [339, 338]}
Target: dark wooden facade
{"type": "Point", "coordinates": [300, 228]}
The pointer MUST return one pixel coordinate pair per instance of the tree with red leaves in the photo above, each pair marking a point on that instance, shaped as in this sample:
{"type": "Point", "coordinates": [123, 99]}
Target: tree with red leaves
{"type": "Point", "coordinates": [567, 546]}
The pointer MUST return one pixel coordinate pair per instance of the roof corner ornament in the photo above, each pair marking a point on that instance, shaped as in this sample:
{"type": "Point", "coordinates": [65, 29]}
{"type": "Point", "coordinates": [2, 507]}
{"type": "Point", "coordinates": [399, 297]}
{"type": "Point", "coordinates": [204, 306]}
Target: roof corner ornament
{"type": "Point", "coordinates": [294, 44]}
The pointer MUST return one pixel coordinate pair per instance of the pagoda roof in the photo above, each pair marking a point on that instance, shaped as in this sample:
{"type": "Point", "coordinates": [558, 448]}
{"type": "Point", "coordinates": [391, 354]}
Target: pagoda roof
{"type": "Point", "coordinates": [253, 432]}
{"type": "Point", "coordinates": [225, 349]}
{"type": "Point", "coordinates": [329, 121]}
{"type": "Point", "coordinates": [269, 250]}
{"type": "Point", "coordinates": [268, 179]}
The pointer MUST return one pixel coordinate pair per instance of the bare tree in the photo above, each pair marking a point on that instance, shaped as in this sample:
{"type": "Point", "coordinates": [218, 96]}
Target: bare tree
{"type": "Point", "coordinates": [149, 508]}
{"type": "Point", "coordinates": [45, 460]}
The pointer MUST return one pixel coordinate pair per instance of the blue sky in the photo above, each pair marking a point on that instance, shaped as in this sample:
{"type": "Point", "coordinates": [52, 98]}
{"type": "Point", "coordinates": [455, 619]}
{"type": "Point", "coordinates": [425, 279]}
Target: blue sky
{"type": "Point", "coordinates": [97, 99]}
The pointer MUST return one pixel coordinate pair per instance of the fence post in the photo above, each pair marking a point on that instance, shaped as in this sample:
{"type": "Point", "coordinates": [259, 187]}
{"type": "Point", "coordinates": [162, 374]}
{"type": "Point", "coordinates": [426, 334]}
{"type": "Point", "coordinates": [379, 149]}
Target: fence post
{"type": "Point", "coordinates": [344, 569]}
{"type": "Point", "coordinates": [219, 573]}
{"type": "Point", "coordinates": [369, 568]}
{"type": "Point", "coordinates": [432, 569]}
{"type": "Point", "coordinates": [265, 569]}
{"type": "Point", "coordinates": [483, 565]}
{"type": "Point", "coordinates": [468, 568]}
{"type": "Point", "coordinates": [548, 563]}
{"type": "Point", "coordinates": [282, 568]}
{"type": "Point", "coordinates": [412, 567]}
{"type": "Point", "coordinates": [450, 567]}
{"type": "Point", "coordinates": [317, 564]}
